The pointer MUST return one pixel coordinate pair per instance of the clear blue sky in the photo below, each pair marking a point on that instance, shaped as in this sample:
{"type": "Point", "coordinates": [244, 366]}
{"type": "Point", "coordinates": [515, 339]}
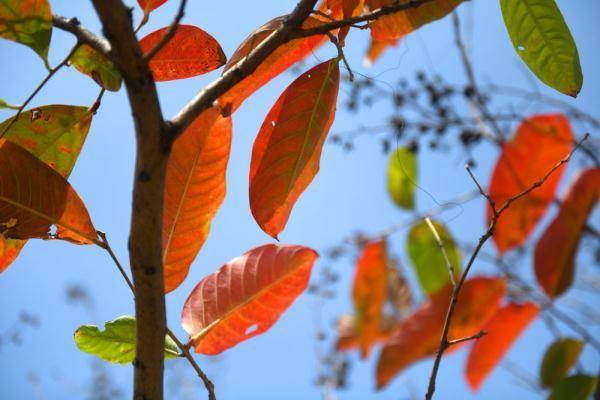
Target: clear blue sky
{"type": "Point", "coordinates": [348, 195]}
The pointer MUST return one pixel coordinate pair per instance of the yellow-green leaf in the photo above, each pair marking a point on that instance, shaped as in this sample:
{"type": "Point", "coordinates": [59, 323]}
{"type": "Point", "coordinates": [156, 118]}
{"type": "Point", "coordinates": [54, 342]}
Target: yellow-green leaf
{"type": "Point", "coordinates": [427, 257]}
{"type": "Point", "coordinates": [28, 22]}
{"type": "Point", "coordinates": [542, 39]}
{"type": "Point", "coordinates": [558, 360]}
{"type": "Point", "coordinates": [88, 61]}
{"type": "Point", "coordinates": [402, 177]}
{"type": "Point", "coordinates": [576, 387]}
{"type": "Point", "coordinates": [116, 343]}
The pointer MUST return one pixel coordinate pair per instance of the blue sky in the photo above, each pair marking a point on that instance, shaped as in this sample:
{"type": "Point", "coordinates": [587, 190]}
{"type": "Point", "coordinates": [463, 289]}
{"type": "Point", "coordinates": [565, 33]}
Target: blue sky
{"type": "Point", "coordinates": [348, 195]}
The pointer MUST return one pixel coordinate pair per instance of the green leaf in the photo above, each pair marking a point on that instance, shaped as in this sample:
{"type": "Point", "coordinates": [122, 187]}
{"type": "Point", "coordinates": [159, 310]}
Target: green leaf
{"type": "Point", "coordinates": [4, 104]}
{"type": "Point", "coordinates": [542, 39]}
{"type": "Point", "coordinates": [576, 387]}
{"type": "Point", "coordinates": [88, 61]}
{"type": "Point", "coordinates": [427, 258]}
{"type": "Point", "coordinates": [402, 177]}
{"type": "Point", "coordinates": [28, 22]}
{"type": "Point", "coordinates": [116, 343]}
{"type": "Point", "coordinates": [55, 134]}
{"type": "Point", "coordinates": [558, 360]}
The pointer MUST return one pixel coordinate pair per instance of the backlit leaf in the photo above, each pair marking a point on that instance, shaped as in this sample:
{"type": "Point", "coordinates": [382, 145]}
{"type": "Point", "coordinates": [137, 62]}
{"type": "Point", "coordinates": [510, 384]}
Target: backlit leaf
{"type": "Point", "coordinates": [542, 39]}
{"type": "Point", "coordinates": [398, 24]}
{"type": "Point", "coordinates": [376, 49]}
{"type": "Point", "coordinates": [555, 252]}
{"type": "Point", "coordinates": [541, 141]}
{"type": "Point", "coordinates": [369, 293]}
{"type": "Point", "coordinates": [402, 177]}
{"type": "Point", "coordinates": [150, 5]}
{"type": "Point", "coordinates": [502, 331]}
{"type": "Point", "coordinates": [427, 257]}
{"type": "Point", "coordinates": [559, 358]}
{"type": "Point", "coordinates": [287, 149]}
{"type": "Point", "coordinates": [190, 52]}
{"type": "Point", "coordinates": [54, 134]}
{"type": "Point", "coordinates": [34, 197]}
{"type": "Point", "coordinates": [28, 22]}
{"type": "Point", "coordinates": [194, 191]}
{"type": "Point", "coordinates": [348, 338]}
{"type": "Point", "coordinates": [576, 387]}
{"type": "Point", "coordinates": [89, 62]}
{"type": "Point", "coordinates": [246, 296]}
{"type": "Point", "coordinates": [280, 60]}
{"type": "Point", "coordinates": [116, 343]}
{"type": "Point", "coordinates": [418, 336]}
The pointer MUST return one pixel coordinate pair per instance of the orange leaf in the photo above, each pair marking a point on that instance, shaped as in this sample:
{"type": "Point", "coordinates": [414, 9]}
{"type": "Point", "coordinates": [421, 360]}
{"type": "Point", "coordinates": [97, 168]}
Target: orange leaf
{"type": "Point", "coordinates": [287, 149]}
{"type": "Point", "coordinates": [555, 251]}
{"type": "Point", "coordinates": [9, 250]}
{"type": "Point", "coordinates": [281, 59]}
{"type": "Point", "coordinates": [194, 191]}
{"type": "Point", "coordinates": [502, 331]}
{"type": "Point", "coordinates": [540, 142]}
{"type": "Point", "coordinates": [34, 197]}
{"type": "Point", "coordinates": [376, 49]}
{"type": "Point", "coordinates": [398, 24]}
{"type": "Point", "coordinates": [150, 5]}
{"type": "Point", "coordinates": [418, 336]}
{"type": "Point", "coordinates": [369, 293]}
{"type": "Point", "coordinates": [246, 296]}
{"type": "Point", "coordinates": [190, 52]}
{"type": "Point", "coordinates": [348, 338]}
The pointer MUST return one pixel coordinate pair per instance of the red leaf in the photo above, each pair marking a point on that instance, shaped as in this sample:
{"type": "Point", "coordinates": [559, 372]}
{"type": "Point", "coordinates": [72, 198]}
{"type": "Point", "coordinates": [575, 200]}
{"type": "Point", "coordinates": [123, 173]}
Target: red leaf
{"type": "Point", "coordinates": [246, 296]}
{"type": "Point", "coordinates": [33, 197]}
{"type": "Point", "coordinates": [376, 49]}
{"type": "Point", "coordinates": [190, 52]}
{"type": "Point", "coordinates": [281, 59]}
{"type": "Point", "coordinates": [398, 24]}
{"type": "Point", "coordinates": [540, 142]}
{"type": "Point", "coordinates": [370, 285]}
{"type": "Point", "coordinates": [502, 331]}
{"type": "Point", "coordinates": [287, 149]}
{"type": "Point", "coordinates": [150, 5]}
{"type": "Point", "coordinates": [418, 336]}
{"type": "Point", "coordinates": [194, 191]}
{"type": "Point", "coordinates": [555, 251]}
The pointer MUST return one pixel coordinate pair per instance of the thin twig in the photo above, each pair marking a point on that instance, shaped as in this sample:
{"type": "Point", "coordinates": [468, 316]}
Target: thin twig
{"type": "Point", "coordinates": [210, 387]}
{"type": "Point", "coordinates": [438, 239]}
{"type": "Point", "coordinates": [341, 54]}
{"type": "Point", "coordinates": [94, 107]}
{"type": "Point", "coordinates": [169, 34]}
{"type": "Point", "coordinates": [51, 73]}
{"type": "Point", "coordinates": [83, 35]}
{"type": "Point", "coordinates": [476, 336]}
{"type": "Point", "coordinates": [444, 343]}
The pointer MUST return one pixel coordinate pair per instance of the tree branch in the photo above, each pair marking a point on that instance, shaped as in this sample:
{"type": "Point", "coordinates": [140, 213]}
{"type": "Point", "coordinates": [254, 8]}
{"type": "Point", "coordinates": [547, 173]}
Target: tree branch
{"type": "Point", "coordinates": [82, 34]}
{"type": "Point", "coordinates": [444, 342]}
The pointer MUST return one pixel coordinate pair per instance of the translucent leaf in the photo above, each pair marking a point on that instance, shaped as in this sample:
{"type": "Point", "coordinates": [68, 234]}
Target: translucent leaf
{"type": "Point", "coordinates": [89, 62]}
{"type": "Point", "coordinates": [402, 177]}
{"type": "Point", "coordinates": [558, 360]}
{"type": "Point", "coordinates": [28, 22]}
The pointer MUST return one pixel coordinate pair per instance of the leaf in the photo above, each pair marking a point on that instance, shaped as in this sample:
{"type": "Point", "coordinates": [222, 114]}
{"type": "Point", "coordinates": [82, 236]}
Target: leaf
{"type": "Point", "coordinates": [576, 387]}
{"type": "Point", "coordinates": [559, 358]}
{"type": "Point", "coordinates": [280, 60]}
{"type": "Point", "coordinates": [150, 5]}
{"type": "Point", "coordinates": [418, 336]}
{"type": "Point", "coordinates": [502, 331]}
{"type": "Point", "coordinates": [287, 149]}
{"type": "Point", "coordinates": [9, 250]}
{"type": "Point", "coordinates": [376, 49]}
{"type": "Point", "coordinates": [194, 191]}
{"type": "Point", "coordinates": [33, 197]}
{"type": "Point", "coordinates": [398, 24]}
{"type": "Point", "coordinates": [54, 134]}
{"type": "Point", "coordinates": [542, 39]}
{"type": "Point", "coordinates": [427, 258]}
{"type": "Point", "coordinates": [554, 257]}
{"type": "Point", "coordinates": [369, 293]}
{"type": "Point", "coordinates": [402, 177]}
{"type": "Point", "coordinates": [4, 105]}
{"type": "Point", "coordinates": [540, 142]}
{"type": "Point", "coordinates": [89, 62]}
{"type": "Point", "coordinates": [246, 296]}
{"type": "Point", "coordinates": [190, 52]}
{"type": "Point", "coordinates": [28, 22]}
{"type": "Point", "coordinates": [116, 343]}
